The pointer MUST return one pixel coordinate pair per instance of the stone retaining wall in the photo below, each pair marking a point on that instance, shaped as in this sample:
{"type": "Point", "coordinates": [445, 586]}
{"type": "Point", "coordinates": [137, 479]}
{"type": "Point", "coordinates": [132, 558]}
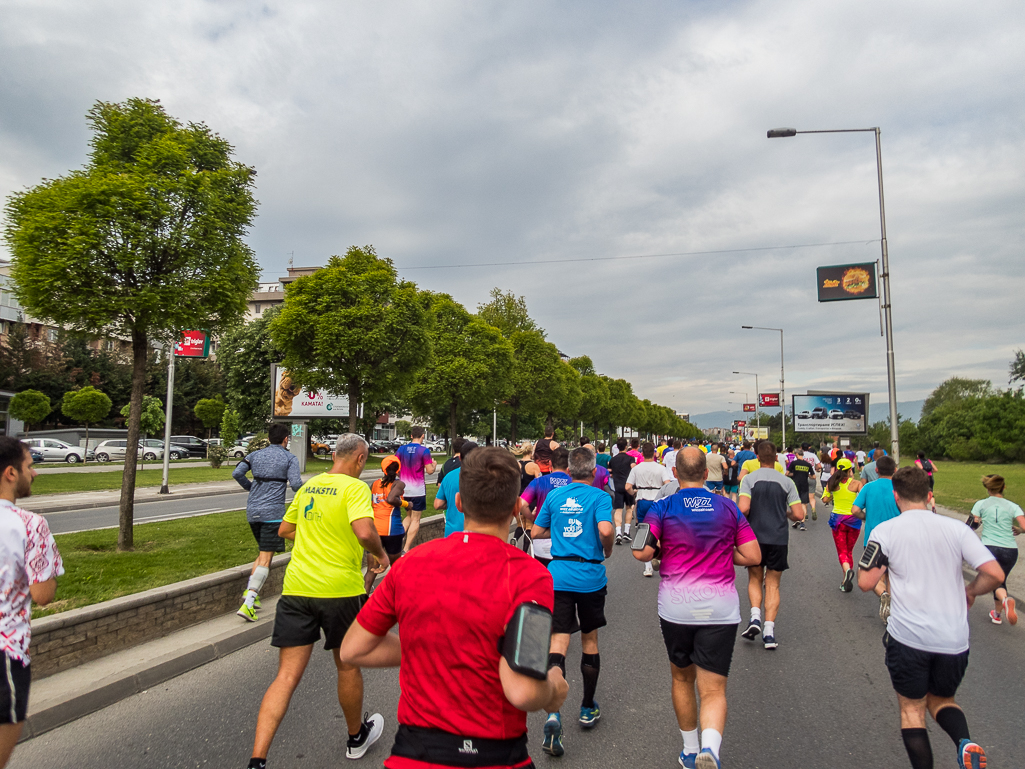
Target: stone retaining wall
{"type": "Point", "coordinates": [68, 639]}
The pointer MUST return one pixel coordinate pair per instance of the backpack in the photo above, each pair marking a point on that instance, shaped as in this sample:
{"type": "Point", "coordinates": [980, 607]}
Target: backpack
{"type": "Point", "coordinates": [927, 466]}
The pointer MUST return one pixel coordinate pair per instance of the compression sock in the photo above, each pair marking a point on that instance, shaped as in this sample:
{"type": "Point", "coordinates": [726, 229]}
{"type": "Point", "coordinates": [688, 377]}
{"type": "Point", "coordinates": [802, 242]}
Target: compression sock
{"type": "Point", "coordinates": [952, 720]}
{"type": "Point", "coordinates": [557, 661]}
{"type": "Point", "coordinates": [590, 666]}
{"type": "Point", "coordinates": [756, 613]}
{"type": "Point", "coordinates": [619, 531]}
{"type": "Point", "coordinates": [257, 763]}
{"type": "Point", "coordinates": [712, 740]}
{"type": "Point", "coordinates": [626, 529]}
{"type": "Point", "coordinates": [916, 743]}
{"type": "Point", "coordinates": [256, 580]}
{"type": "Point", "coordinates": [690, 741]}
{"type": "Point", "coordinates": [518, 533]}
{"type": "Point", "coordinates": [770, 628]}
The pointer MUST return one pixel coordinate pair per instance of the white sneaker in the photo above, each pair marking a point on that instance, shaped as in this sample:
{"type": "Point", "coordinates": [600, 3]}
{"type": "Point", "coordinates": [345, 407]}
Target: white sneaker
{"type": "Point", "coordinates": [375, 724]}
{"type": "Point", "coordinates": [648, 571]}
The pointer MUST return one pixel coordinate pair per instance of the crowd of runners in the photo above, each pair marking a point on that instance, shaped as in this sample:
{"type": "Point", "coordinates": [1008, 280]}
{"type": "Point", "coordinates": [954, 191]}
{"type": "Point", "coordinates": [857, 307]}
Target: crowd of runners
{"type": "Point", "coordinates": [487, 613]}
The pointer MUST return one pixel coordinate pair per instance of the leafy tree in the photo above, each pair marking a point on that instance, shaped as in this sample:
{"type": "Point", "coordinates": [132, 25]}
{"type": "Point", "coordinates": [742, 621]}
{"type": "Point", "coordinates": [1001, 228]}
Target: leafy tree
{"type": "Point", "coordinates": [152, 418]}
{"type": "Point", "coordinates": [30, 406]}
{"type": "Point", "coordinates": [563, 403]}
{"type": "Point", "coordinates": [230, 428]}
{"type": "Point", "coordinates": [953, 390]}
{"type": "Point", "coordinates": [245, 355]}
{"type": "Point", "coordinates": [1017, 367]}
{"type": "Point", "coordinates": [144, 241]}
{"type": "Point", "coordinates": [210, 412]}
{"type": "Point", "coordinates": [594, 399]}
{"type": "Point", "coordinates": [535, 377]}
{"type": "Point", "coordinates": [508, 313]}
{"type": "Point", "coordinates": [353, 328]}
{"type": "Point", "coordinates": [469, 367]}
{"type": "Point", "coordinates": [403, 427]}
{"type": "Point", "coordinates": [86, 405]}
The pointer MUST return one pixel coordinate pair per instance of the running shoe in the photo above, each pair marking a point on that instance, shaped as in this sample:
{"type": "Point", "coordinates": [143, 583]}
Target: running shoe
{"type": "Point", "coordinates": [884, 607]}
{"type": "Point", "coordinates": [801, 526]}
{"type": "Point", "coordinates": [970, 755]}
{"type": "Point", "coordinates": [1012, 615]}
{"type": "Point", "coordinates": [706, 760]}
{"type": "Point", "coordinates": [619, 539]}
{"type": "Point", "coordinates": [754, 627]}
{"type": "Point", "coordinates": [687, 760]}
{"type": "Point", "coordinates": [814, 515]}
{"type": "Point", "coordinates": [589, 716]}
{"type": "Point", "coordinates": [553, 736]}
{"type": "Point", "coordinates": [994, 617]}
{"type": "Point", "coordinates": [795, 524]}
{"type": "Point", "coordinates": [770, 643]}
{"type": "Point", "coordinates": [247, 613]}
{"type": "Point", "coordinates": [256, 600]}
{"type": "Point", "coordinates": [648, 571]}
{"type": "Point", "coordinates": [369, 733]}
{"type": "Point", "coordinates": [848, 581]}
{"type": "Point", "coordinates": [656, 564]}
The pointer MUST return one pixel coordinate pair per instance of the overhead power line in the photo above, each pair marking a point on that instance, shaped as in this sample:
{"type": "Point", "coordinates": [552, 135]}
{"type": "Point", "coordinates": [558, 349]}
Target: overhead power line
{"type": "Point", "coordinates": [641, 256]}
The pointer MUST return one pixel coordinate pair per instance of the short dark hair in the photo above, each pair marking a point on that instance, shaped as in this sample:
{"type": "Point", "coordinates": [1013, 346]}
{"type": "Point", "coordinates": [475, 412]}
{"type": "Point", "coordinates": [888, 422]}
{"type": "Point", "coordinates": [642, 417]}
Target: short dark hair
{"type": "Point", "coordinates": [886, 466]}
{"type": "Point", "coordinates": [635, 442]}
{"type": "Point", "coordinates": [417, 432]}
{"type": "Point", "coordinates": [691, 465]}
{"type": "Point", "coordinates": [677, 444]}
{"type": "Point", "coordinates": [489, 484]}
{"type": "Point", "coordinates": [560, 458]}
{"type": "Point", "coordinates": [766, 451]}
{"type": "Point", "coordinates": [549, 432]}
{"type": "Point", "coordinates": [457, 445]}
{"type": "Point", "coordinates": [277, 433]}
{"type": "Point", "coordinates": [648, 449]}
{"type": "Point", "coordinates": [912, 483]}
{"type": "Point", "coordinates": [12, 453]}
{"type": "Point", "coordinates": [621, 444]}
{"type": "Point", "coordinates": [583, 440]}
{"type": "Point", "coordinates": [601, 447]}
{"type": "Point", "coordinates": [746, 445]}
{"type": "Point", "coordinates": [465, 449]}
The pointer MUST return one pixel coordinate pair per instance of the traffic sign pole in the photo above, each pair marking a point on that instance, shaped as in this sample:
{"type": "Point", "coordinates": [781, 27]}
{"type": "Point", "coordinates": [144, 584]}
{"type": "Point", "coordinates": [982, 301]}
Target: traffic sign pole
{"type": "Point", "coordinates": [164, 488]}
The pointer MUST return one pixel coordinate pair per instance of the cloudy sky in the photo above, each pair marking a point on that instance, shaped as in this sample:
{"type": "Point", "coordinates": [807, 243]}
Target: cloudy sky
{"type": "Point", "coordinates": [516, 134]}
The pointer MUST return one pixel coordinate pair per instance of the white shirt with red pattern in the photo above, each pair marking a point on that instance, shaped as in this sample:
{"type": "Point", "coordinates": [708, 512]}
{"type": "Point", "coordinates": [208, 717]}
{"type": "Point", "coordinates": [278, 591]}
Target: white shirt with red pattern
{"type": "Point", "coordinates": [28, 556]}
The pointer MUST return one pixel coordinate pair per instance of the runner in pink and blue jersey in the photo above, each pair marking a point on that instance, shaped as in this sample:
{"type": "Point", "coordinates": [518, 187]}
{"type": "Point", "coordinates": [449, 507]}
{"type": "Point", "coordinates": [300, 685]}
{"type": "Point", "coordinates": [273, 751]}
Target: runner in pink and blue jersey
{"type": "Point", "coordinates": [417, 464]}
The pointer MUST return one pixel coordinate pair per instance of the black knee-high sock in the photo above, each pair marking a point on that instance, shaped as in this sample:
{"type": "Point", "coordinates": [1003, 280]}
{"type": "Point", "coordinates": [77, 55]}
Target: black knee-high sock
{"type": "Point", "coordinates": [916, 743]}
{"type": "Point", "coordinates": [557, 661]}
{"type": "Point", "coordinates": [952, 720]}
{"type": "Point", "coordinates": [518, 533]}
{"type": "Point", "coordinates": [590, 666]}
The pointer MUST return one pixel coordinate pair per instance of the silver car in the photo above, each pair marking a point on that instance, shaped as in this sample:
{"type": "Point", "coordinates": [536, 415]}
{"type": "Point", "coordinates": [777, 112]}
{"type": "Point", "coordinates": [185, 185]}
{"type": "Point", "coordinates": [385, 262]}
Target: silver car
{"type": "Point", "coordinates": [54, 450]}
{"type": "Point", "coordinates": [115, 450]}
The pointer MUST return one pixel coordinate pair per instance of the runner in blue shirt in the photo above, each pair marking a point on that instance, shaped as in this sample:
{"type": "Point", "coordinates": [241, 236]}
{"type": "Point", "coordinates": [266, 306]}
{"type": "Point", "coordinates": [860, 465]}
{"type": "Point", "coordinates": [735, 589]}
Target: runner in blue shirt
{"type": "Point", "coordinates": [445, 499]}
{"type": "Point", "coordinates": [577, 518]}
{"type": "Point", "coordinates": [874, 504]}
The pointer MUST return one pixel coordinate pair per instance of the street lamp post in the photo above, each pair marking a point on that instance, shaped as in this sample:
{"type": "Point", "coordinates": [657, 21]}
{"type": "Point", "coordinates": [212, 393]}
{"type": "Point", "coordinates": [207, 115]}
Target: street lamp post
{"type": "Point", "coordinates": [891, 374]}
{"type": "Point", "coordinates": [782, 390]}
{"type": "Point", "coordinates": [758, 416]}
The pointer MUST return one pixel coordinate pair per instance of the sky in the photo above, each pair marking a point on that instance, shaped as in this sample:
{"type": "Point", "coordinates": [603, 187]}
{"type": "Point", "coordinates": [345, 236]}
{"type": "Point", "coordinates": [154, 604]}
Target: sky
{"type": "Point", "coordinates": [518, 134]}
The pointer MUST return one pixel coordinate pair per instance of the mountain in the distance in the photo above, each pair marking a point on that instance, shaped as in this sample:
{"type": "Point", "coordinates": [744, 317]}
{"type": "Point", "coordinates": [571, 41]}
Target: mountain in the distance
{"type": "Point", "coordinates": [877, 412]}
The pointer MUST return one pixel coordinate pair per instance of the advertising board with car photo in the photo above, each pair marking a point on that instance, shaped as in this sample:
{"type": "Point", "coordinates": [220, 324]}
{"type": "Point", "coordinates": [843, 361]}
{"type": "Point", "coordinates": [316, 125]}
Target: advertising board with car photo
{"type": "Point", "coordinates": [831, 413]}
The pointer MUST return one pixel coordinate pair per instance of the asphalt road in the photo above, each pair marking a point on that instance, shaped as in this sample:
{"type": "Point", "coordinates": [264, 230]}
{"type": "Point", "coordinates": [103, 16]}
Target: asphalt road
{"type": "Point", "coordinates": [823, 699]}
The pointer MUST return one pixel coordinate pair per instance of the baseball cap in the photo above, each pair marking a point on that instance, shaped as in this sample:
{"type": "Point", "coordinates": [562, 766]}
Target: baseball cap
{"type": "Point", "coordinates": [844, 464]}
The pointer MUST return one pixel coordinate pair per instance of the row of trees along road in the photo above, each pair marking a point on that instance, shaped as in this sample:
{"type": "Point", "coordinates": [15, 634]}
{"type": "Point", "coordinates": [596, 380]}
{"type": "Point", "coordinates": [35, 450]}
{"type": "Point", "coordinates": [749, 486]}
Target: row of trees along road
{"type": "Point", "coordinates": [143, 241]}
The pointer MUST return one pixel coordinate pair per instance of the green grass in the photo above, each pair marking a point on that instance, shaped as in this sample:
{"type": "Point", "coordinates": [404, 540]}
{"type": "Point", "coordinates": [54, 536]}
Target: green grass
{"type": "Point", "coordinates": [59, 482]}
{"type": "Point", "coordinates": [958, 484]}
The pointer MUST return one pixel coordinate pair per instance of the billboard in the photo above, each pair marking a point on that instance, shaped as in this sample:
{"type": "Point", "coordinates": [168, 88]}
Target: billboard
{"type": "Point", "coordinates": [294, 402]}
{"type": "Point", "coordinates": [750, 407]}
{"type": "Point", "coordinates": [756, 433]}
{"type": "Point", "coordinates": [193, 344]}
{"type": "Point", "coordinates": [847, 281]}
{"type": "Point", "coordinates": [768, 400]}
{"type": "Point", "coordinates": [831, 413]}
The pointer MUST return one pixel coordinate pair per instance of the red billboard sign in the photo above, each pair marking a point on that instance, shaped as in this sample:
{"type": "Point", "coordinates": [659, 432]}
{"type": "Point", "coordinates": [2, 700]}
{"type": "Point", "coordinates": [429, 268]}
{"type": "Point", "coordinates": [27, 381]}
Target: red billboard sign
{"type": "Point", "coordinates": [193, 344]}
{"type": "Point", "coordinates": [741, 423]}
{"type": "Point", "coordinates": [750, 407]}
{"type": "Point", "coordinates": [768, 399]}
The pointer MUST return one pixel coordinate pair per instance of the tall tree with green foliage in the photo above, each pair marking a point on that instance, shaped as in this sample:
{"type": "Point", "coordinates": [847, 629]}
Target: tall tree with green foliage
{"type": "Point", "coordinates": [1017, 370]}
{"type": "Point", "coordinates": [245, 355]}
{"type": "Point", "coordinates": [469, 367]}
{"type": "Point", "coordinates": [535, 375]}
{"type": "Point", "coordinates": [353, 328]}
{"type": "Point", "coordinates": [508, 313]}
{"type": "Point", "coordinates": [87, 405]}
{"type": "Point", "coordinates": [209, 411]}
{"type": "Point", "coordinates": [955, 389]}
{"type": "Point", "coordinates": [230, 428]}
{"type": "Point", "coordinates": [403, 427]}
{"type": "Point", "coordinates": [30, 406]}
{"type": "Point", "coordinates": [145, 241]}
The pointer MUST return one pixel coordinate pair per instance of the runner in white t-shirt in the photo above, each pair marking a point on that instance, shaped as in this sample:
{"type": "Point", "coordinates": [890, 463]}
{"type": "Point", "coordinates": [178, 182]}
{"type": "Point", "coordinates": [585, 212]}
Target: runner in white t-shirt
{"type": "Point", "coordinates": [646, 480]}
{"type": "Point", "coordinates": [860, 455]}
{"type": "Point", "coordinates": [31, 567]}
{"type": "Point", "coordinates": [927, 634]}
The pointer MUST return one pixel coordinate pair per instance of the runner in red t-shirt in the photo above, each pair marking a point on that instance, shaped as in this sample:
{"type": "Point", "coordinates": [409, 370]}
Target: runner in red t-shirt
{"type": "Point", "coordinates": [460, 702]}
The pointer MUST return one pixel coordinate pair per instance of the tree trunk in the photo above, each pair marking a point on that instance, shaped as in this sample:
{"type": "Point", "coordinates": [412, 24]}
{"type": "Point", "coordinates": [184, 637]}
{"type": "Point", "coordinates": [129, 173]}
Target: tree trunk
{"type": "Point", "coordinates": [514, 422]}
{"type": "Point", "coordinates": [453, 418]}
{"type": "Point", "coordinates": [125, 534]}
{"type": "Point", "coordinates": [353, 400]}
{"type": "Point", "coordinates": [85, 451]}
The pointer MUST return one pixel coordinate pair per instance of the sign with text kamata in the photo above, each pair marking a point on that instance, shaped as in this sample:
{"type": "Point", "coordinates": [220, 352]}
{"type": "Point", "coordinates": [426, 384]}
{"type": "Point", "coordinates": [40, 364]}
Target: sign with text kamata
{"type": "Point", "coordinates": [294, 402]}
{"type": "Point", "coordinates": [847, 281]}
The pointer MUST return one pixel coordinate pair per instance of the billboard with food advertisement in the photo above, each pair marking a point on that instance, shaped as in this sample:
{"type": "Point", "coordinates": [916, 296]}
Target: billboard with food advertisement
{"type": "Point", "coordinates": [847, 281]}
{"type": "Point", "coordinates": [831, 413]}
{"type": "Point", "coordinates": [750, 407]}
{"type": "Point", "coordinates": [294, 402]}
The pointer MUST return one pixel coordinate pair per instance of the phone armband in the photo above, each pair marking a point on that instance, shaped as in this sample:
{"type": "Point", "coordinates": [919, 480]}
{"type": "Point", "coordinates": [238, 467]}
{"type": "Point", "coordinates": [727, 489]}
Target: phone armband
{"type": "Point", "coordinates": [527, 639]}
{"type": "Point", "coordinates": [872, 557]}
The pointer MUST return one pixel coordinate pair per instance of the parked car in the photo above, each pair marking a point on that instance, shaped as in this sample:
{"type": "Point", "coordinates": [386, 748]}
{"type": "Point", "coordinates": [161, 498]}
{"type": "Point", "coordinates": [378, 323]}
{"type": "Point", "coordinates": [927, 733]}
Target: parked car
{"type": "Point", "coordinates": [836, 414]}
{"type": "Point", "coordinates": [55, 451]}
{"type": "Point", "coordinates": [239, 450]}
{"type": "Point", "coordinates": [851, 415]}
{"type": "Point", "coordinates": [819, 412]}
{"type": "Point", "coordinates": [320, 449]}
{"type": "Point", "coordinates": [36, 456]}
{"type": "Point", "coordinates": [118, 450]}
{"type": "Point", "coordinates": [196, 447]}
{"type": "Point", "coordinates": [155, 450]}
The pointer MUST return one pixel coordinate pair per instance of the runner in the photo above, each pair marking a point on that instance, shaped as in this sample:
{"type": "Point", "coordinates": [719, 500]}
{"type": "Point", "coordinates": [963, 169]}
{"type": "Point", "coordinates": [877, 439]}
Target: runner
{"type": "Point", "coordinates": [273, 468]}
{"type": "Point", "coordinates": [717, 465]}
{"type": "Point", "coordinates": [460, 703]}
{"type": "Point", "coordinates": [416, 464]}
{"type": "Point", "coordinates": [1001, 520]}
{"type": "Point", "coordinates": [869, 472]}
{"type": "Point", "coordinates": [645, 481]}
{"type": "Point", "coordinates": [768, 498]}
{"type": "Point", "coordinates": [661, 449]}
{"type": "Point", "coordinates": [669, 457]}
{"type": "Point", "coordinates": [331, 521]}
{"type": "Point", "coordinates": [31, 565]}
{"type": "Point", "coordinates": [842, 489]}
{"type": "Point", "coordinates": [875, 504]}
{"type": "Point", "coordinates": [386, 497]}
{"type": "Point", "coordinates": [446, 497]}
{"type": "Point", "coordinates": [927, 636]}
{"type": "Point", "coordinates": [813, 476]}
{"type": "Point", "coordinates": [861, 456]}
{"type": "Point", "coordinates": [453, 461]}
{"type": "Point", "coordinates": [578, 520]}
{"type": "Point", "coordinates": [602, 458]}
{"type": "Point", "coordinates": [800, 470]}
{"type": "Point", "coordinates": [620, 466]}
{"type": "Point", "coordinates": [731, 481]}
{"type": "Point", "coordinates": [698, 605]}
{"type": "Point", "coordinates": [751, 465]}
{"type": "Point", "coordinates": [635, 450]}
{"type": "Point", "coordinates": [930, 468]}
{"type": "Point", "coordinates": [543, 451]}
{"type": "Point", "coordinates": [534, 497]}
{"type": "Point", "coordinates": [745, 454]}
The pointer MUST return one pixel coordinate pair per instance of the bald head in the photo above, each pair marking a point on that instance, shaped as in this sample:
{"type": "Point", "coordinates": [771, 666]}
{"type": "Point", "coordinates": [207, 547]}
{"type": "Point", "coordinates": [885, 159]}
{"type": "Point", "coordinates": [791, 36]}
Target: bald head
{"type": "Point", "coordinates": [691, 466]}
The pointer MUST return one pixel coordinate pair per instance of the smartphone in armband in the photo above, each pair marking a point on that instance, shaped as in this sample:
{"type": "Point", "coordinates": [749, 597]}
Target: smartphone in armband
{"type": "Point", "coordinates": [643, 537]}
{"type": "Point", "coordinates": [527, 639]}
{"type": "Point", "coordinates": [872, 557]}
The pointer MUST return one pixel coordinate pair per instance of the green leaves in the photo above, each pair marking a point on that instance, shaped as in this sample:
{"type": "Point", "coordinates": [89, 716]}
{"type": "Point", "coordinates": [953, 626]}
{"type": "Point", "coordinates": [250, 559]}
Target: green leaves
{"type": "Point", "coordinates": [30, 406]}
{"type": "Point", "coordinates": [152, 422]}
{"type": "Point", "coordinates": [210, 411]}
{"type": "Point", "coordinates": [87, 405]}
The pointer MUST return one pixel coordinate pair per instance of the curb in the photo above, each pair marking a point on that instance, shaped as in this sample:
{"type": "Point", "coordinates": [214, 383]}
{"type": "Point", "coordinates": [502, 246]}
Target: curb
{"type": "Point", "coordinates": [133, 680]}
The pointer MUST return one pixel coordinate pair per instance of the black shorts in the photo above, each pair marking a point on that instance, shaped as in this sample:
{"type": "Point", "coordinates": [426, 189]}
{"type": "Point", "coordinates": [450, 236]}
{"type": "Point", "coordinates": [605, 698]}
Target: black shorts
{"type": "Point", "coordinates": [774, 557]}
{"type": "Point", "coordinates": [579, 611]}
{"type": "Point", "coordinates": [1006, 558]}
{"type": "Point", "coordinates": [915, 673]}
{"type": "Point", "coordinates": [393, 544]}
{"type": "Point", "coordinates": [299, 620]}
{"type": "Point", "coordinates": [622, 499]}
{"type": "Point", "coordinates": [803, 494]}
{"type": "Point", "coordinates": [14, 686]}
{"type": "Point", "coordinates": [417, 504]}
{"type": "Point", "coordinates": [710, 647]}
{"type": "Point", "coordinates": [267, 538]}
